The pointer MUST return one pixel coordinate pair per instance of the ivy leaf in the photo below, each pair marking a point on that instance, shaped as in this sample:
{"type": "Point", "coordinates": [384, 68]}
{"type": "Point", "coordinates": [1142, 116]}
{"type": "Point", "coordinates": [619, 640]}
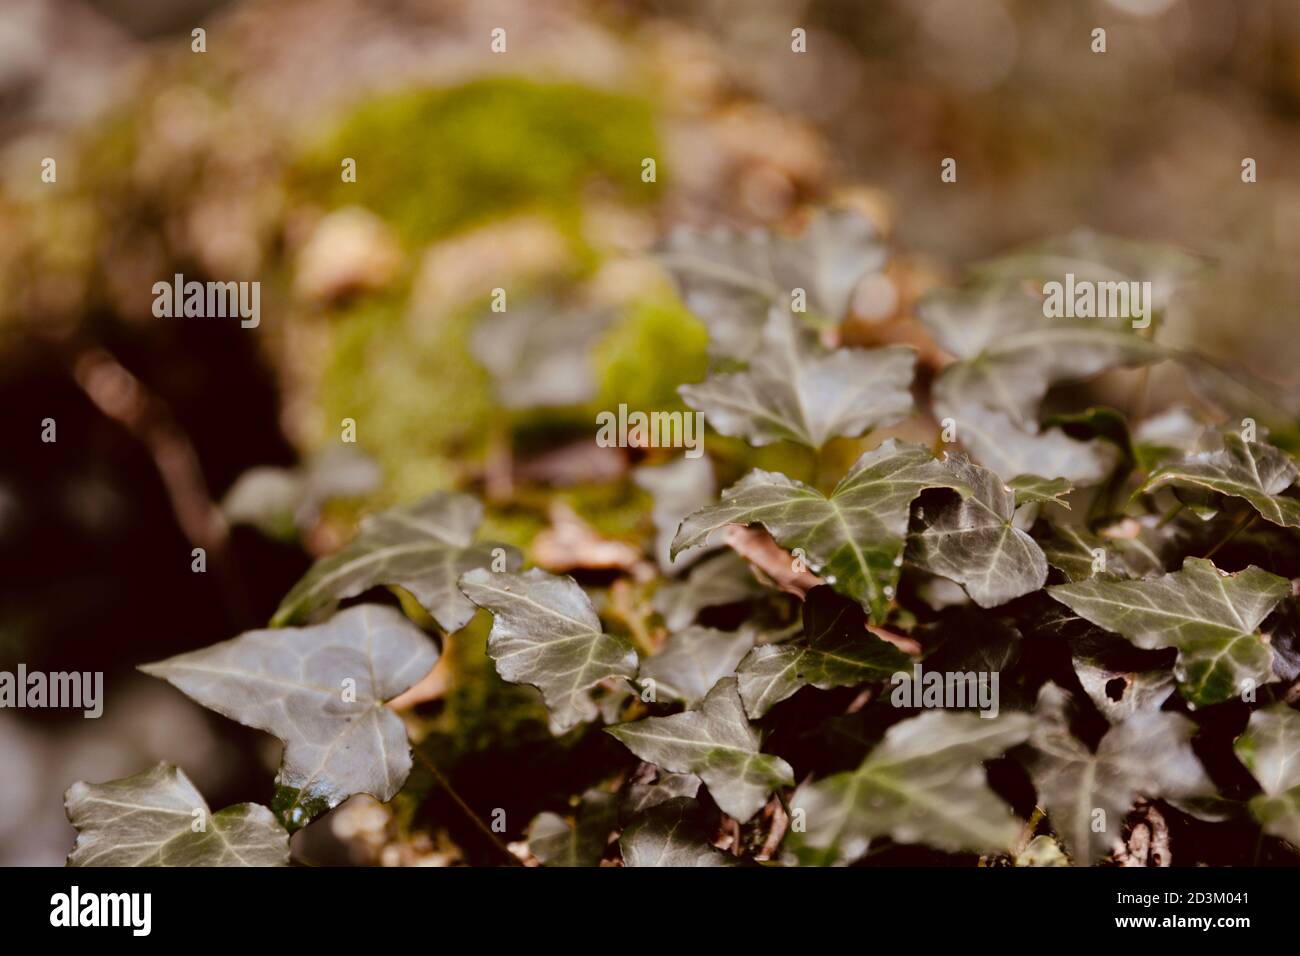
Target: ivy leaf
{"type": "Point", "coordinates": [1031, 489]}
{"type": "Point", "coordinates": [283, 502]}
{"type": "Point", "coordinates": [731, 281]}
{"type": "Point", "coordinates": [670, 834]}
{"type": "Point", "coordinates": [1254, 471]}
{"type": "Point", "coordinates": [1269, 748]}
{"type": "Point", "coordinates": [423, 547]}
{"type": "Point", "coordinates": [1147, 755]}
{"type": "Point", "coordinates": [796, 391]}
{"type": "Point", "coordinates": [854, 539]}
{"type": "Point", "coordinates": [321, 690]}
{"type": "Point", "coordinates": [716, 742]}
{"type": "Point", "coordinates": [725, 579]}
{"type": "Point", "coordinates": [1080, 554]}
{"type": "Point", "coordinates": [1010, 353]}
{"type": "Point", "coordinates": [1173, 431]}
{"type": "Point", "coordinates": [665, 787]}
{"type": "Point", "coordinates": [149, 820]}
{"type": "Point", "coordinates": [972, 541]}
{"type": "Point", "coordinates": [539, 352]}
{"type": "Point", "coordinates": [678, 488]}
{"type": "Point", "coordinates": [1013, 450]}
{"type": "Point", "coordinates": [1120, 679]}
{"type": "Point", "coordinates": [922, 784]}
{"type": "Point", "coordinates": [1095, 257]}
{"type": "Point", "coordinates": [1042, 851]}
{"type": "Point", "coordinates": [690, 662]}
{"type": "Point", "coordinates": [836, 650]}
{"type": "Point", "coordinates": [557, 842]}
{"type": "Point", "coordinates": [546, 633]}
{"type": "Point", "coordinates": [1211, 618]}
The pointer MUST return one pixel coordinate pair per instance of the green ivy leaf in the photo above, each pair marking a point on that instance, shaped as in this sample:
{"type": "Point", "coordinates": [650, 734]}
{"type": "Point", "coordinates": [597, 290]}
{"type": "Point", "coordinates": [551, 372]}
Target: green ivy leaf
{"type": "Point", "coordinates": [321, 690]}
{"type": "Point", "coordinates": [1253, 471]}
{"type": "Point", "coordinates": [424, 547]}
{"type": "Point", "coordinates": [716, 742]}
{"type": "Point", "coordinates": [972, 541]}
{"type": "Point", "coordinates": [1095, 257]}
{"type": "Point", "coordinates": [150, 819]}
{"type": "Point", "coordinates": [283, 502]}
{"type": "Point", "coordinates": [546, 633]}
{"type": "Point", "coordinates": [922, 784]}
{"type": "Point", "coordinates": [794, 390]}
{"type": "Point", "coordinates": [539, 352]}
{"type": "Point", "coordinates": [1211, 618]}
{"type": "Point", "coordinates": [731, 281]}
{"type": "Point", "coordinates": [1149, 754]}
{"type": "Point", "coordinates": [1010, 353]}
{"type": "Point", "coordinates": [691, 661]}
{"type": "Point", "coordinates": [854, 539]}
{"type": "Point", "coordinates": [1073, 551]}
{"type": "Point", "coordinates": [724, 579]}
{"type": "Point", "coordinates": [835, 650]}
{"type": "Point", "coordinates": [678, 488]}
{"type": "Point", "coordinates": [1031, 489]}
{"type": "Point", "coordinates": [665, 787]}
{"type": "Point", "coordinates": [671, 834]}
{"type": "Point", "coordinates": [1013, 450]}
{"type": "Point", "coordinates": [1269, 748]}
{"type": "Point", "coordinates": [557, 842]}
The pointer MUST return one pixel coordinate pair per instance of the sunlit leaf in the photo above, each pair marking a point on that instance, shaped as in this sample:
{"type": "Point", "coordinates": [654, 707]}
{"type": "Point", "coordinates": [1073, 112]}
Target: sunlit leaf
{"type": "Point", "coordinates": [670, 834]}
{"type": "Point", "coordinates": [716, 742]}
{"type": "Point", "coordinates": [1270, 749]}
{"type": "Point", "coordinates": [665, 787]}
{"type": "Point", "coordinates": [924, 783]}
{"type": "Point", "coordinates": [1253, 471]}
{"type": "Point", "coordinates": [556, 841]}
{"type": "Point", "coordinates": [835, 650]}
{"type": "Point", "coordinates": [539, 352]}
{"type": "Point", "coordinates": [1088, 794]}
{"type": "Point", "coordinates": [731, 280]}
{"type": "Point", "coordinates": [854, 539]}
{"type": "Point", "coordinates": [972, 541]}
{"type": "Point", "coordinates": [679, 488]}
{"type": "Point", "coordinates": [1010, 353]}
{"type": "Point", "coordinates": [691, 661]}
{"type": "Point", "coordinates": [1211, 618]}
{"type": "Point", "coordinates": [158, 818]}
{"type": "Point", "coordinates": [724, 579]}
{"type": "Point", "coordinates": [321, 690]}
{"type": "Point", "coordinates": [794, 390]}
{"type": "Point", "coordinates": [424, 547]}
{"type": "Point", "coordinates": [546, 633]}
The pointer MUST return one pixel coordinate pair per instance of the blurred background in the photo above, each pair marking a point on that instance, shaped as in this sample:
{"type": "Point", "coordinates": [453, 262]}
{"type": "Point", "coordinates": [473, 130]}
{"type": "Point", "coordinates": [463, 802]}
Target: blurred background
{"type": "Point", "coordinates": [521, 169]}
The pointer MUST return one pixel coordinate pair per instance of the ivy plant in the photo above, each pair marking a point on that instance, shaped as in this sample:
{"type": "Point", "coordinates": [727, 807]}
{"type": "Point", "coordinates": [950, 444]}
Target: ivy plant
{"type": "Point", "coordinates": [911, 606]}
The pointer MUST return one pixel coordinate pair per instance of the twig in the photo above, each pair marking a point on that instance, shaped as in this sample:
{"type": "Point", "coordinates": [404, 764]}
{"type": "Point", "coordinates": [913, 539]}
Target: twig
{"type": "Point", "coordinates": [1242, 524]}
{"type": "Point", "coordinates": [465, 807]}
{"type": "Point", "coordinates": [121, 396]}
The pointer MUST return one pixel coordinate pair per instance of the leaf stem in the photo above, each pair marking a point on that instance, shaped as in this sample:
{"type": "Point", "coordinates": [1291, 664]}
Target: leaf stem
{"type": "Point", "coordinates": [1242, 524]}
{"type": "Point", "coordinates": [465, 807]}
{"type": "Point", "coordinates": [1170, 515]}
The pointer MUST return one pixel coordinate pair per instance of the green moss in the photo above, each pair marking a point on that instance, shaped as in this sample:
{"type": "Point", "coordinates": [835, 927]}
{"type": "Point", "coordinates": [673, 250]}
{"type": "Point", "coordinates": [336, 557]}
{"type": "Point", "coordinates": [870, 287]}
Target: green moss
{"type": "Point", "coordinates": [417, 405]}
{"type": "Point", "coordinates": [658, 346]}
{"type": "Point", "coordinates": [431, 162]}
